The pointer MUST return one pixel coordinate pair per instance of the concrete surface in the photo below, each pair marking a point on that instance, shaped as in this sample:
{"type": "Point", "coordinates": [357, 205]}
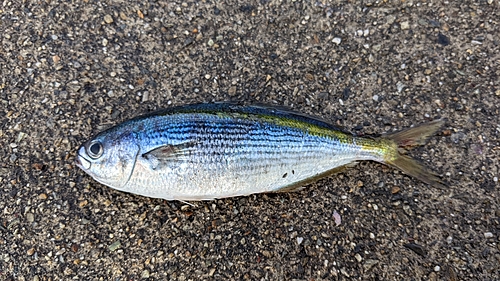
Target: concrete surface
{"type": "Point", "coordinates": [71, 68]}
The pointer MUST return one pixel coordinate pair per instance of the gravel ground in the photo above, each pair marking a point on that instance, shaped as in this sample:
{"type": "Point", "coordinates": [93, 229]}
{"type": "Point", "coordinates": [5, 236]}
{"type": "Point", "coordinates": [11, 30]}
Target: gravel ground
{"type": "Point", "coordinates": [72, 68]}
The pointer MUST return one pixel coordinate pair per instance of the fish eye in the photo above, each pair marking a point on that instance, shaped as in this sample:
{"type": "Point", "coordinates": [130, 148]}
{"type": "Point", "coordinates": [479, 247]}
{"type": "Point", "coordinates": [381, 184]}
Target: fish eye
{"type": "Point", "coordinates": [95, 150]}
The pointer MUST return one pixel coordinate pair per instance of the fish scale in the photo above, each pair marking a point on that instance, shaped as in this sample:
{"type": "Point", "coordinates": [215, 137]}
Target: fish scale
{"type": "Point", "coordinates": [257, 159]}
{"type": "Point", "coordinates": [207, 151]}
{"type": "Point", "coordinates": [255, 153]}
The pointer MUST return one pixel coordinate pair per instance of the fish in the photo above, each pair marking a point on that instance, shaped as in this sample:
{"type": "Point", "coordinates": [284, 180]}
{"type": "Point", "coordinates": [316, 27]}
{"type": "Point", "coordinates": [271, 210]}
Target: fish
{"type": "Point", "coordinates": [218, 150]}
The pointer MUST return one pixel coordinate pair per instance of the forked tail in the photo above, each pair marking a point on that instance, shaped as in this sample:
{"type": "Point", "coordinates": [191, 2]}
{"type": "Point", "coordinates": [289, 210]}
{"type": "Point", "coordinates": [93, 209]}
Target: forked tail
{"type": "Point", "coordinates": [408, 139]}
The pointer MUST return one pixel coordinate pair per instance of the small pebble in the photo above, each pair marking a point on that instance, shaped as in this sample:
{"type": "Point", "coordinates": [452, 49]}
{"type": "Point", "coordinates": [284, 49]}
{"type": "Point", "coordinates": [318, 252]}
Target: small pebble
{"type": "Point", "coordinates": [437, 268]}
{"type": "Point", "coordinates": [405, 25]}
{"type": "Point", "coordinates": [145, 96]}
{"type": "Point", "coordinates": [400, 86]}
{"type": "Point", "coordinates": [212, 271]}
{"type": "Point", "coordinates": [31, 251]}
{"type": "Point", "coordinates": [337, 40]}
{"type": "Point", "coordinates": [266, 254]}
{"type": "Point", "coordinates": [140, 14]}
{"type": "Point", "coordinates": [299, 240]}
{"type": "Point", "coordinates": [108, 19]}
{"type": "Point", "coordinates": [30, 217]}
{"type": "Point", "coordinates": [42, 196]}
{"type": "Point", "coordinates": [114, 246]}
{"type": "Point", "coordinates": [358, 257]}
{"type": "Point", "coordinates": [337, 218]}
{"type": "Point", "coordinates": [56, 59]}
{"type": "Point", "coordinates": [145, 274]}
{"type": "Point", "coordinates": [123, 16]}
{"type": "Point", "coordinates": [488, 235]}
{"type": "Point", "coordinates": [418, 249]}
{"type": "Point", "coordinates": [344, 272]}
{"type": "Point", "coordinates": [390, 19]}
{"type": "Point", "coordinates": [369, 264]}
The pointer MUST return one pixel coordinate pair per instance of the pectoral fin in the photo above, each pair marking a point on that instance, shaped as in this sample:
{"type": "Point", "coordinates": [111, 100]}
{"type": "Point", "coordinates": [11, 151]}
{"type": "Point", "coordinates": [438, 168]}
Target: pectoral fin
{"type": "Point", "coordinates": [168, 153]}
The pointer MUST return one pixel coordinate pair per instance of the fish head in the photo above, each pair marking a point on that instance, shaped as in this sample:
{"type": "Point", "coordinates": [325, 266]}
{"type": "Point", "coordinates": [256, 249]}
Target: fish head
{"type": "Point", "coordinates": [109, 158]}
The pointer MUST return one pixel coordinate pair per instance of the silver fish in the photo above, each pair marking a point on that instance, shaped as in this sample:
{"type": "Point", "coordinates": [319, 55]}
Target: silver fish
{"type": "Point", "coordinates": [207, 151]}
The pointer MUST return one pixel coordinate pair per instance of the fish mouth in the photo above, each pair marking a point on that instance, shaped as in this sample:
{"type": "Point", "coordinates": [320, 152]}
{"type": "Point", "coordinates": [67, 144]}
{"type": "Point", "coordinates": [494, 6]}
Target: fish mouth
{"type": "Point", "coordinates": [81, 161]}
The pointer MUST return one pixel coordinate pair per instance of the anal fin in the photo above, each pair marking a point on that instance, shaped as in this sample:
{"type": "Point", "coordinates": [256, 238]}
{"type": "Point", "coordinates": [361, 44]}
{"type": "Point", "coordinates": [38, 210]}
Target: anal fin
{"type": "Point", "coordinates": [298, 186]}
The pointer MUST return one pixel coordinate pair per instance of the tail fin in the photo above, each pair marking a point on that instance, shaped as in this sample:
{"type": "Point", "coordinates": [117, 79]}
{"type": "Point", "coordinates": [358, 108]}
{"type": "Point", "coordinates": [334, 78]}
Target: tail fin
{"type": "Point", "coordinates": [408, 139]}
